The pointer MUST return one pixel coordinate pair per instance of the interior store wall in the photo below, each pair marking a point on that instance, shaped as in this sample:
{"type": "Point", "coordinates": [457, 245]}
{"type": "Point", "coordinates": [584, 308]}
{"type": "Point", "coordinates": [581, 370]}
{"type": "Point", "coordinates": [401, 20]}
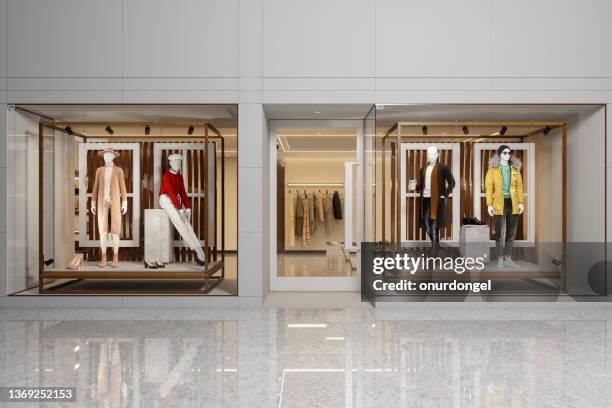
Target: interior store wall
{"type": "Point", "coordinates": [318, 170]}
{"type": "Point", "coordinates": [266, 51]}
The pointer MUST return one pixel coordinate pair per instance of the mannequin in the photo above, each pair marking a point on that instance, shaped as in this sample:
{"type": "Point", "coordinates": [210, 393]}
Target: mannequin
{"type": "Point", "coordinates": [504, 192]}
{"type": "Point", "coordinates": [436, 182]}
{"type": "Point", "coordinates": [109, 187]}
{"type": "Point", "coordinates": [179, 211]}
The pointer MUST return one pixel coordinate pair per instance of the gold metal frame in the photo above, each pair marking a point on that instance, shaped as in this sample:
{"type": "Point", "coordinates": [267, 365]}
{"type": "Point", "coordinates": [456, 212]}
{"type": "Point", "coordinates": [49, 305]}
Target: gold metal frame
{"type": "Point", "coordinates": [212, 262]}
{"type": "Point", "coordinates": [396, 176]}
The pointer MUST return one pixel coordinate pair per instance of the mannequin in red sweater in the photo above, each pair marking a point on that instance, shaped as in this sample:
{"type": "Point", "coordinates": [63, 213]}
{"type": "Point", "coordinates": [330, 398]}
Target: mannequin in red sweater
{"type": "Point", "coordinates": [173, 199]}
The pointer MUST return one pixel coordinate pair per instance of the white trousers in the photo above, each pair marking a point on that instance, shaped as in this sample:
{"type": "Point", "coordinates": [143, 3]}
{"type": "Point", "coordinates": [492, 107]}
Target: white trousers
{"type": "Point", "coordinates": [182, 226]}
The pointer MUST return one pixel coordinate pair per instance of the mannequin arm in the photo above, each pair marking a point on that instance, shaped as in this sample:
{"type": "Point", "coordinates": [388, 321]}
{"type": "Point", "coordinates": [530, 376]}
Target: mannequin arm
{"type": "Point", "coordinates": [122, 188]}
{"type": "Point", "coordinates": [94, 192]}
{"type": "Point", "coordinates": [489, 188]}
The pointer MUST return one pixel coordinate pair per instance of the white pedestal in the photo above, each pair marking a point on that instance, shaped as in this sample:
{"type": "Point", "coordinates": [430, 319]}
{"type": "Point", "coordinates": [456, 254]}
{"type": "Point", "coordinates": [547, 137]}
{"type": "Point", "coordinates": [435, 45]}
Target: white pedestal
{"type": "Point", "coordinates": [474, 241]}
{"type": "Point", "coordinates": [158, 235]}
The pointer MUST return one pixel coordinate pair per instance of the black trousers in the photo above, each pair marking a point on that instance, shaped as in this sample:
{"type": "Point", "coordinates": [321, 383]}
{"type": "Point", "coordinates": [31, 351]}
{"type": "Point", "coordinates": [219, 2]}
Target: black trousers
{"type": "Point", "coordinates": [431, 226]}
{"type": "Point", "coordinates": [511, 221]}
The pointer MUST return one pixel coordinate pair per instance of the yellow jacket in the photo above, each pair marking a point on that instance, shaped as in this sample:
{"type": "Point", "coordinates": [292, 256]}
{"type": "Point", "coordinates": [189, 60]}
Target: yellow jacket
{"type": "Point", "coordinates": [493, 185]}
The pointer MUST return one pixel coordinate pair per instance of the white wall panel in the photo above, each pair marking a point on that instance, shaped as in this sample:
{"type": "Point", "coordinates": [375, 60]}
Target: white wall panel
{"type": "Point", "coordinates": [318, 38]}
{"type": "Point", "coordinates": [551, 37]}
{"type": "Point", "coordinates": [250, 41]}
{"type": "Point", "coordinates": [3, 139]}
{"type": "Point", "coordinates": [3, 37]}
{"type": "Point", "coordinates": [64, 38]}
{"type": "Point", "coordinates": [181, 38]}
{"type": "Point", "coordinates": [432, 38]}
{"type": "Point", "coordinates": [250, 263]}
{"type": "Point", "coordinates": [250, 137]}
{"type": "Point", "coordinates": [250, 198]}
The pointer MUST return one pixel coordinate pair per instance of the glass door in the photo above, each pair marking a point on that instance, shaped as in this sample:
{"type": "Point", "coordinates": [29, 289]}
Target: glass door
{"type": "Point", "coordinates": [316, 204]}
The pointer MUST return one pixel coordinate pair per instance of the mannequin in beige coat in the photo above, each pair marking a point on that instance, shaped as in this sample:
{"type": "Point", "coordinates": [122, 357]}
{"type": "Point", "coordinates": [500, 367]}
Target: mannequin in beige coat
{"type": "Point", "coordinates": [109, 190]}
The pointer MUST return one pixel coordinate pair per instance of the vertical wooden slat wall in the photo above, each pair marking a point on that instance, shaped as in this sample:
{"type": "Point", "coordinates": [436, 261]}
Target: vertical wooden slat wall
{"type": "Point", "coordinates": [194, 179]}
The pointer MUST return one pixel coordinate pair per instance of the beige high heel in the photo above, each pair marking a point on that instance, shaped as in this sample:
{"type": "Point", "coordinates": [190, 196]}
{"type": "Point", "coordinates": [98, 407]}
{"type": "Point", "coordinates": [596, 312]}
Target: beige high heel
{"type": "Point", "coordinates": [76, 262]}
{"type": "Point", "coordinates": [103, 261]}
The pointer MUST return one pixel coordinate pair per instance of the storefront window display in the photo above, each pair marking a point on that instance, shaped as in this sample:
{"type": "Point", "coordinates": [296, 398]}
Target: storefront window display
{"type": "Point", "coordinates": [455, 182]}
{"type": "Point", "coordinates": [131, 206]}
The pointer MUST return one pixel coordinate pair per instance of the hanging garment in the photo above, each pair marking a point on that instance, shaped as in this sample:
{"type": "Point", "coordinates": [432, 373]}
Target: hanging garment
{"type": "Point", "coordinates": [337, 206]}
{"type": "Point", "coordinates": [328, 209]}
{"type": "Point", "coordinates": [289, 221]}
{"type": "Point", "coordinates": [319, 206]}
{"type": "Point", "coordinates": [299, 216]}
{"type": "Point", "coordinates": [311, 213]}
{"type": "Point", "coordinates": [117, 193]}
{"type": "Point", "coordinates": [306, 226]}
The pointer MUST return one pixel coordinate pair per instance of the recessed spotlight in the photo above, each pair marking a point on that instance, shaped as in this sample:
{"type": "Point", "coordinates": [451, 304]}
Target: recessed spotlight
{"type": "Point", "coordinates": [190, 130]}
{"type": "Point", "coordinates": [466, 130]}
{"type": "Point", "coordinates": [546, 130]}
{"type": "Point", "coordinates": [424, 130]}
{"type": "Point", "coordinates": [318, 133]}
{"type": "Point", "coordinates": [317, 112]}
{"type": "Point", "coordinates": [147, 130]}
{"type": "Point", "coordinates": [503, 130]}
{"type": "Point", "coordinates": [68, 130]}
{"type": "Point", "coordinates": [109, 130]}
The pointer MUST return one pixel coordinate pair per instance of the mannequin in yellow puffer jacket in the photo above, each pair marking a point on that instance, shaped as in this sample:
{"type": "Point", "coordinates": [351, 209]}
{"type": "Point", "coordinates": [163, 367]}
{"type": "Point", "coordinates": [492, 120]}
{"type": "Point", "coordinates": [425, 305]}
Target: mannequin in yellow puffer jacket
{"type": "Point", "coordinates": [504, 196]}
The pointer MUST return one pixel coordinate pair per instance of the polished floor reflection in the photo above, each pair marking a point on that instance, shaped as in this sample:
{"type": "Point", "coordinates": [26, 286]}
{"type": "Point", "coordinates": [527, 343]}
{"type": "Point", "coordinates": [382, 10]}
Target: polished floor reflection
{"type": "Point", "coordinates": [535, 355]}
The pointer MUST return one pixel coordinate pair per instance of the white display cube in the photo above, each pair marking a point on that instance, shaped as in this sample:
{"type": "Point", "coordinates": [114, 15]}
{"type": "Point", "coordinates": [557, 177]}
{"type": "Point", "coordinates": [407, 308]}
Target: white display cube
{"type": "Point", "coordinates": [158, 236]}
{"type": "Point", "coordinates": [475, 241]}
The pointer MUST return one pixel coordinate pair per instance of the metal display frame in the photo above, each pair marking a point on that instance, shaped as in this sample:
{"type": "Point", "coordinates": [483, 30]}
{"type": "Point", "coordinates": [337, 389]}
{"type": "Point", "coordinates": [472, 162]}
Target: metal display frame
{"type": "Point", "coordinates": [214, 255]}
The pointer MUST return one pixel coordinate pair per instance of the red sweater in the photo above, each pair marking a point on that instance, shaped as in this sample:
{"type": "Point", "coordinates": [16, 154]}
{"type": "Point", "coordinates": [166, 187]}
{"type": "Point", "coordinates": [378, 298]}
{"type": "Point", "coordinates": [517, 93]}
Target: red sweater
{"type": "Point", "coordinates": [172, 185]}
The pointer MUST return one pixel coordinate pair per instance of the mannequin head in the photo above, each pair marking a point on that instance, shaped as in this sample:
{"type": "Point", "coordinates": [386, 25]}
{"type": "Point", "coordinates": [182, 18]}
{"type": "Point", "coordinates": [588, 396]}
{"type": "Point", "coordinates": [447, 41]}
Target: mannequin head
{"type": "Point", "coordinates": [175, 160]}
{"type": "Point", "coordinates": [504, 153]}
{"type": "Point", "coordinates": [108, 158]}
{"type": "Point", "coordinates": [432, 154]}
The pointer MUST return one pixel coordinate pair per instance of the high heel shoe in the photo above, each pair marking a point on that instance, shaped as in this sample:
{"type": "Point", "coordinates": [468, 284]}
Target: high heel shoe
{"type": "Point", "coordinates": [159, 263]}
{"type": "Point", "coordinates": [103, 261]}
{"type": "Point", "coordinates": [149, 265]}
{"type": "Point", "coordinates": [115, 261]}
{"type": "Point", "coordinates": [76, 262]}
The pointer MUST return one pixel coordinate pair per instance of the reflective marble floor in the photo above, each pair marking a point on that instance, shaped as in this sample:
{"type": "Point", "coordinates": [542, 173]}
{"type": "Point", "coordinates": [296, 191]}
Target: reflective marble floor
{"type": "Point", "coordinates": [421, 355]}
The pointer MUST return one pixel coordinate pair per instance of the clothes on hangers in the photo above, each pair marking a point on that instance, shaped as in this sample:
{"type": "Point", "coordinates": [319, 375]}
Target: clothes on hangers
{"type": "Point", "coordinates": [328, 210]}
{"type": "Point", "coordinates": [299, 216]}
{"type": "Point", "coordinates": [319, 206]}
{"type": "Point", "coordinates": [311, 213]}
{"type": "Point", "coordinates": [306, 223]}
{"type": "Point", "coordinates": [289, 221]}
{"type": "Point", "coordinates": [337, 204]}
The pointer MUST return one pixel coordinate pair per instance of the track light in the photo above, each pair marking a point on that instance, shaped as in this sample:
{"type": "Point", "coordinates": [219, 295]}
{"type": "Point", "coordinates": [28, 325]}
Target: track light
{"type": "Point", "coordinates": [546, 130]}
{"type": "Point", "coordinates": [109, 130]}
{"type": "Point", "coordinates": [466, 130]}
{"type": "Point", "coordinates": [68, 130]}
{"type": "Point", "coordinates": [190, 130]}
{"type": "Point", "coordinates": [147, 130]}
{"type": "Point", "coordinates": [503, 130]}
{"type": "Point", "coordinates": [424, 130]}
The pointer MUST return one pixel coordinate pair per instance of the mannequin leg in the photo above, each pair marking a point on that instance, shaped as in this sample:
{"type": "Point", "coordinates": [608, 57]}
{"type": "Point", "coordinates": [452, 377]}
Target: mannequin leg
{"type": "Point", "coordinates": [435, 237]}
{"type": "Point", "coordinates": [511, 227]}
{"type": "Point", "coordinates": [500, 221]}
{"type": "Point", "coordinates": [184, 228]}
{"type": "Point", "coordinates": [427, 218]}
{"type": "Point", "coordinates": [103, 229]}
{"type": "Point", "coordinates": [115, 250]}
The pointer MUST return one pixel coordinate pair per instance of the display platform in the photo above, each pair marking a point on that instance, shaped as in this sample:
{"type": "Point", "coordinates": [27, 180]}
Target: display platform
{"type": "Point", "coordinates": [135, 270]}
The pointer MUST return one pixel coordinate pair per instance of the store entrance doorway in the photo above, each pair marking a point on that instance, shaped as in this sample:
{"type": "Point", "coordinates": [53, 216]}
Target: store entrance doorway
{"type": "Point", "coordinates": [316, 204]}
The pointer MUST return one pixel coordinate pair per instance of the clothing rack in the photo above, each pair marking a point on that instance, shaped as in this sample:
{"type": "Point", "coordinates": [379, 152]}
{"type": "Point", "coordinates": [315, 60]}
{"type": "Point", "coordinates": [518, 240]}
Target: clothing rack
{"type": "Point", "coordinates": [294, 185]}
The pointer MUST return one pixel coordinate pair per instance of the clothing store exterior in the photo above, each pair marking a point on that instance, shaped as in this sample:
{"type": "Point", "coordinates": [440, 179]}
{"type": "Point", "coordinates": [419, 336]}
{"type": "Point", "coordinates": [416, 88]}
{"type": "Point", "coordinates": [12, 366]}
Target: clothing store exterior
{"type": "Point", "coordinates": [294, 146]}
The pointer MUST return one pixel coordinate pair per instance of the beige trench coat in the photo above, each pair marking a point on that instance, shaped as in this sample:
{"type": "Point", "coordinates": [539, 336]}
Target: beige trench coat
{"type": "Point", "coordinates": [118, 193]}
